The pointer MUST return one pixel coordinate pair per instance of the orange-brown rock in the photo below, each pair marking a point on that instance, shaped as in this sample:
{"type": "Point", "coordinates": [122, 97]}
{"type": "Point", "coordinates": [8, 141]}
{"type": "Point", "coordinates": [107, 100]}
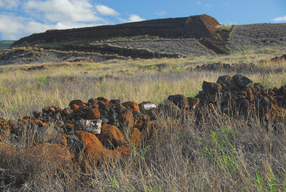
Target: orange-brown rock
{"type": "Point", "coordinates": [76, 102]}
{"type": "Point", "coordinates": [141, 123]}
{"type": "Point", "coordinates": [74, 106]}
{"type": "Point", "coordinates": [94, 150]}
{"type": "Point", "coordinates": [126, 119]}
{"type": "Point", "coordinates": [136, 138]}
{"type": "Point", "coordinates": [110, 136]}
{"type": "Point", "coordinates": [93, 114]}
{"type": "Point", "coordinates": [131, 105]}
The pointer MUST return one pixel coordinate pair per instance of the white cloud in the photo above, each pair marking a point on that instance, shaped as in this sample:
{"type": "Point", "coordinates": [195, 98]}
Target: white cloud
{"type": "Point", "coordinates": [9, 4]}
{"type": "Point", "coordinates": [279, 19]}
{"type": "Point", "coordinates": [199, 3]}
{"type": "Point", "coordinates": [134, 18]}
{"type": "Point", "coordinates": [20, 26]}
{"type": "Point", "coordinates": [104, 10]}
{"type": "Point", "coordinates": [208, 5]}
{"type": "Point", "coordinates": [41, 15]}
{"type": "Point", "coordinates": [161, 13]}
{"type": "Point", "coordinates": [64, 10]}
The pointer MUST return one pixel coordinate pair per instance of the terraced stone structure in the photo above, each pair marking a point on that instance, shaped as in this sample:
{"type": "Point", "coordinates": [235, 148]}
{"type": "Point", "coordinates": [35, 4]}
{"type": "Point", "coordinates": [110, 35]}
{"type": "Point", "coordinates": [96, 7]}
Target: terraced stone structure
{"type": "Point", "coordinates": [184, 27]}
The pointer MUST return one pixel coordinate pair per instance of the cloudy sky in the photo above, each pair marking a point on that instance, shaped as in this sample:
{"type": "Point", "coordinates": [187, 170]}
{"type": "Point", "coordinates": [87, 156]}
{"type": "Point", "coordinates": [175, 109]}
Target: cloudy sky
{"type": "Point", "coordinates": [19, 18]}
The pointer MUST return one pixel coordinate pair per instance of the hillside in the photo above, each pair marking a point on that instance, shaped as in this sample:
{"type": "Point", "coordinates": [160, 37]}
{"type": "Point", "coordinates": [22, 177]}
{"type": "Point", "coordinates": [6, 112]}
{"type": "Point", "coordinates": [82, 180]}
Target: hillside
{"type": "Point", "coordinates": [258, 36]}
{"type": "Point", "coordinates": [192, 36]}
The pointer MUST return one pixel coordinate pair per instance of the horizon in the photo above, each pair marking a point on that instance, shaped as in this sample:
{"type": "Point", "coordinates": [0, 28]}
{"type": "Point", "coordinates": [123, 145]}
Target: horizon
{"type": "Point", "coordinates": [21, 18]}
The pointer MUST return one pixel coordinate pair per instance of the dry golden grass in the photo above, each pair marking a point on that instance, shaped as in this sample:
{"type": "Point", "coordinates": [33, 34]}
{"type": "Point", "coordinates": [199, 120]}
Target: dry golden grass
{"type": "Point", "coordinates": [138, 80]}
{"type": "Point", "coordinates": [182, 157]}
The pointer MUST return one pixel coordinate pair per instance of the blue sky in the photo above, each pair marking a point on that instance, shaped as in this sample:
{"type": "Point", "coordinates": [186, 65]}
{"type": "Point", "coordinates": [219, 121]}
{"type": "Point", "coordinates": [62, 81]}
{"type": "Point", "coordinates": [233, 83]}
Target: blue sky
{"type": "Point", "coordinates": [20, 18]}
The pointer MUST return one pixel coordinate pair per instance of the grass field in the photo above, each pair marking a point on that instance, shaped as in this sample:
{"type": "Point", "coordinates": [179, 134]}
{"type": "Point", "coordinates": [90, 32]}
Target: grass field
{"type": "Point", "coordinates": [220, 155]}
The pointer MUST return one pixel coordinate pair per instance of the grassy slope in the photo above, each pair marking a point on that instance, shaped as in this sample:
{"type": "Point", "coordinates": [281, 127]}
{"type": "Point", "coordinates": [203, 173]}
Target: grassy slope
{"type": "Point", "coordinates": [5, 44]}
{"type": "Point", "coordinates": [139, 82]}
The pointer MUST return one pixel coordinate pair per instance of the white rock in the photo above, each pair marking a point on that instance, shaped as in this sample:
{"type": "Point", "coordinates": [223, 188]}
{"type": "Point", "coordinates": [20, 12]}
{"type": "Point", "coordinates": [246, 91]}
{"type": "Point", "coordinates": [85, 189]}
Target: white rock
{"type": "Point", "coordinates": [92, 126]}
{"type": "Point", "coordinates": [149, 106]}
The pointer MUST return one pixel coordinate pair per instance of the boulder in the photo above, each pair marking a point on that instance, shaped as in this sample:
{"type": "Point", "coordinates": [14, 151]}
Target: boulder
{"type": "Point", "coordinates": [148, 108]}
{"type": "Point", "coordinates": [142, 123]}
{"type": "Point", "coordinates": [76, 102]}
{"type": "Point", "coordinates": [131, 105]}
{"type": "Point", "coordinates": [93, 114]}
{"type": "Point", "coordinates": [92, 126]}
{"type": "Point", "coordinates": [226, 82]}
{"type": "Point", "coordinates": [210, 87]}
{"type": "Point", "coordinates": [104, 106]}
{"type": "Point", "coordinates": [241, 81]}
{"type": "Point", "coordinates": [126, 120]}
{"type": "Point", "coordinates": [74, 145]}
{"type": "Point", "coordinates": [169, 109]}
{"type": "Point", "coordinates": [110, 136]}
{"type": "Point", "coordinates": [93, 151]}
{"type": "Point", "coordinates": [180, 100]}
{"type": "Point", "coordinates": [136, 138]}
{"type": "Point", "coordinates": [193, 102]}
{"type": "Point", "coordinates": [112, 116]}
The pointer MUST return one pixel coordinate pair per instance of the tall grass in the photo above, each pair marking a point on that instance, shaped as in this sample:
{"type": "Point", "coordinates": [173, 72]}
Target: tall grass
{"type": "Point", "coordinates": [216, 155]}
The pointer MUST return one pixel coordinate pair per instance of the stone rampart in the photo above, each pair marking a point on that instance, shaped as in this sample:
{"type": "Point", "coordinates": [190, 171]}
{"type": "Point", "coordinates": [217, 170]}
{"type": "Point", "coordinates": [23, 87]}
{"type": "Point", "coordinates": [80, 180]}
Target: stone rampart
{"type": "Point", "coordinates": [184, 27]}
